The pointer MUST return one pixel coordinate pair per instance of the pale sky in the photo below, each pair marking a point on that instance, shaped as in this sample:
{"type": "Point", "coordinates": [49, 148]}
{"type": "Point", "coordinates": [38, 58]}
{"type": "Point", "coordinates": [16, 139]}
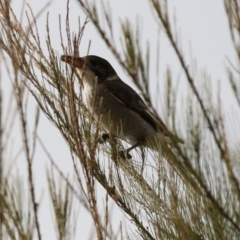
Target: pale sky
{"type": "Point", "coordinates": [203, 28]}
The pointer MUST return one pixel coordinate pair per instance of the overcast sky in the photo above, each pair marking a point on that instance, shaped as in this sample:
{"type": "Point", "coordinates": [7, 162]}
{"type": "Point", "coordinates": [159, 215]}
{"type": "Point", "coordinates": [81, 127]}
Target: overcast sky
{"type": "Point", "coordinates": [203, 28]}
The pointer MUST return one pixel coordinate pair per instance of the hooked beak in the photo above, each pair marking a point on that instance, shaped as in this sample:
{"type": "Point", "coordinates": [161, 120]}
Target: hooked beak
{"type": "Point", "coordinates": [76, 62]}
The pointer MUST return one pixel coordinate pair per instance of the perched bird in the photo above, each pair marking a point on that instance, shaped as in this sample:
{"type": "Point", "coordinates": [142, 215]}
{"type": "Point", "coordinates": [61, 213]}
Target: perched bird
{"type": "Point", "coordinates": [121, 110]}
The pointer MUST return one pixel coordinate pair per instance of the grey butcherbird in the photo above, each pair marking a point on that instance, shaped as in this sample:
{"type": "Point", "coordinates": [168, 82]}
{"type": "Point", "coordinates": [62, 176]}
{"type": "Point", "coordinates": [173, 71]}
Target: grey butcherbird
{"type": "Point", "coordinates": [123, 113]}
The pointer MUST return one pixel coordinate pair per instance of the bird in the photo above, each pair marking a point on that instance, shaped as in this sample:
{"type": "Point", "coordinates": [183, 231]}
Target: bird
{"type": "Point", "coordinates": [122, 112]}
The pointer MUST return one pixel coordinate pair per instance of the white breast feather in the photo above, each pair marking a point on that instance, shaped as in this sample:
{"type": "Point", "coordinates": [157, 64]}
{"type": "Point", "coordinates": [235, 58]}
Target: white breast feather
{"type": "Point", "coordinates": [89, 79]}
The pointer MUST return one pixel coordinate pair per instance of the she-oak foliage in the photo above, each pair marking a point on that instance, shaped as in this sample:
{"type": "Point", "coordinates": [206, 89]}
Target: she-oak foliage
{"type": "Point", "coordinates": [191, 193]}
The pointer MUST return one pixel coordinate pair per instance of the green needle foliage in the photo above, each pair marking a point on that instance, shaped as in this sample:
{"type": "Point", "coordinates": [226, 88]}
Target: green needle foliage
{"type": "Point", "coordinates": [179, 192]}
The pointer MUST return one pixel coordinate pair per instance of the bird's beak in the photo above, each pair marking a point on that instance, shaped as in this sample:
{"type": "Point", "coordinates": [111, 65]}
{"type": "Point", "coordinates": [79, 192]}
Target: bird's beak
{"type": "Point", "coordinates": [77, 62]}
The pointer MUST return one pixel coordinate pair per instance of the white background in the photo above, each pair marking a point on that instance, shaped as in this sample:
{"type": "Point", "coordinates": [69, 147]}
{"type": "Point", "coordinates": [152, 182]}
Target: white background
{"type": "Point", "coordinates": [203, 30]}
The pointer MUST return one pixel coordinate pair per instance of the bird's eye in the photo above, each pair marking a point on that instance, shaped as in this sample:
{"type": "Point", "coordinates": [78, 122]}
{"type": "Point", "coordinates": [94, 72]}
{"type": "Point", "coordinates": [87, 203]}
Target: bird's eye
{"type": "Point", "coordinates": [94, 63]}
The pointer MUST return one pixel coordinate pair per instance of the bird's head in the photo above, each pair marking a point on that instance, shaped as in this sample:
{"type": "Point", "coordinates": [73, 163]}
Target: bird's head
{"type": "Point", "coordinates": [91, 66]}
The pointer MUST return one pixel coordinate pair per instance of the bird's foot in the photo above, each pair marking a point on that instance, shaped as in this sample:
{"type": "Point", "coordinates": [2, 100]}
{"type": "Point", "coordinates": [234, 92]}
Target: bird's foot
{"type": "Point", "coordinates": [105, 137]}
{"type": "Point", "coordinates": [124, 155]}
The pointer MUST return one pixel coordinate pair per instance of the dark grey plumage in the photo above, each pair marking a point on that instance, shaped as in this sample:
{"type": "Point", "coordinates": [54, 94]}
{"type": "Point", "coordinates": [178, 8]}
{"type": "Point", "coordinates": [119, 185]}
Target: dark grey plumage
{"type": "Point", "coordinates": [123, 112]}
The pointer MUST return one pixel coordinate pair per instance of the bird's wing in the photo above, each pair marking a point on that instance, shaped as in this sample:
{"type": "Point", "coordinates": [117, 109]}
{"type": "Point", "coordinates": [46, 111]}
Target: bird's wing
{"type": "Point", "coordinates": [128, 97]}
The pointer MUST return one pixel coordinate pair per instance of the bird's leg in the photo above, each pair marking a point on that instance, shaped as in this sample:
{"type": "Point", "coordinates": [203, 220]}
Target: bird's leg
{"type": "Point", "coordinates": [122, 153]}
{"type": "Point", "coordinates": [133, 146]}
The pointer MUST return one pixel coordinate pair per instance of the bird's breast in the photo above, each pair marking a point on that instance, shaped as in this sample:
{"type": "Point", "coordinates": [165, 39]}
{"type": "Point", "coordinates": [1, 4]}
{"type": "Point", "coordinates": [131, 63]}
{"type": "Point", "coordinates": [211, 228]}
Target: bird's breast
{"type": "Point", "coordinates": [89, 83]}
{"type": "Point", "coordinates": [88, 92]}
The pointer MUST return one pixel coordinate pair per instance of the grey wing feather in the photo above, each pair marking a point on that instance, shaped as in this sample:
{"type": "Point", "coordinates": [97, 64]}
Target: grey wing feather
{"type": "Point", "coordinates": [127, 96]}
